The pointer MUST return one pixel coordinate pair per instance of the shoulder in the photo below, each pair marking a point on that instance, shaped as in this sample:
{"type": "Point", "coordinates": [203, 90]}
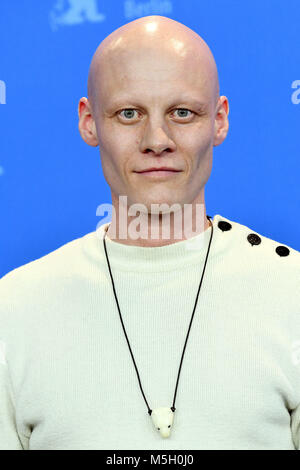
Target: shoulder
{"type": "Point", "coordinates": [46, 274]}
{"type": "Point", "coordinates": [58, 261]}
{"type": "Point", "coordinates": [247, 237]}
{"type": "Point", "coordinates": [254, 254]}
{"type": "Point", "coordinates": [32, 295]}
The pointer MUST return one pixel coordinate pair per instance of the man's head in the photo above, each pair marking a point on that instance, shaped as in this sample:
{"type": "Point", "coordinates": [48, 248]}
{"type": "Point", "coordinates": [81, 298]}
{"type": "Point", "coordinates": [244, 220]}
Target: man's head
{"type": "Point", "coordinates": [153, 101]}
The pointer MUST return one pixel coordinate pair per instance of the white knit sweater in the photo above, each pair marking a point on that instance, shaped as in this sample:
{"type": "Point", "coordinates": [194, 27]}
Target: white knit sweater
{"type": "Point", "coordinates": [67, 379]}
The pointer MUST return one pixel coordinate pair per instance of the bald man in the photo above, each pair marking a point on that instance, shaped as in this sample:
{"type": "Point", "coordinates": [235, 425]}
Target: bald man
{"type": "Point", "coordinates": [168, 74]}
{"type": "Point", "coordinates": [164, 328]}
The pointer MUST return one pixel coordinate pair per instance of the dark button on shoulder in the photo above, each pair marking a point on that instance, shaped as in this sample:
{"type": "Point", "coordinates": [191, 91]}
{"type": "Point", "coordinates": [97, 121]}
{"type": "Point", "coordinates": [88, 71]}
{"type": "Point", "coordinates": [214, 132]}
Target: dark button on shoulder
{"type": "Point", "coordinates": [282, 250]}
{"type": "Point", "coordinates": [254, 239]}
{"type": "Point", "coordinates": [224, 226]}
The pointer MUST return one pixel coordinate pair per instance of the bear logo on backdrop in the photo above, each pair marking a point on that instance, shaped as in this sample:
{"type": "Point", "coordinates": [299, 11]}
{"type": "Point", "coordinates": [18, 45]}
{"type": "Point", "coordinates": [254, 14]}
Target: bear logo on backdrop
{"type": "Point", "coordinates": [72, 12]}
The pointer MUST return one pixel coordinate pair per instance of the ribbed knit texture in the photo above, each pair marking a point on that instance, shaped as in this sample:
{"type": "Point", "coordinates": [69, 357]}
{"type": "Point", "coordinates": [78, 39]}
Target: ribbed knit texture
{"type": "Point", "coordinates": [67, 380]}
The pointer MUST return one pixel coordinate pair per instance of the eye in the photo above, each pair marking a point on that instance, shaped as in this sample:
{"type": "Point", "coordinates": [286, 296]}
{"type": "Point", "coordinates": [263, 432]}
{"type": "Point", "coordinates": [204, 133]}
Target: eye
{"type": "Point", "coordinates": [182, 112]}
{"type": "Point", "coordinates": [169, 426]}
{"type": "Point", "coordinates": [129, 113]}
{"type": "Point", "coordinates": [158, 428]}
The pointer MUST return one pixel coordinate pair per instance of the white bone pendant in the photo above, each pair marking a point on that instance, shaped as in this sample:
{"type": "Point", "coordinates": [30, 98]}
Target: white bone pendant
{"type": "Point", "coordinates": [163, 419]}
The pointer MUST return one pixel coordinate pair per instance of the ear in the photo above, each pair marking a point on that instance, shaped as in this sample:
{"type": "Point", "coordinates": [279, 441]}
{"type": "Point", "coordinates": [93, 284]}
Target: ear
{"type": "Point", "coordinates": [221, 121]}
{"type": "Point", "coordinates": [86, 125]}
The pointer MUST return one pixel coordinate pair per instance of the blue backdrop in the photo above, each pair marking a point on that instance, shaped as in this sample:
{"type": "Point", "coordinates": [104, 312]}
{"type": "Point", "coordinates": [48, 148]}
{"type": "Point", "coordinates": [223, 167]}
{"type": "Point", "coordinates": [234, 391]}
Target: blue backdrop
{"type": "Point", "coordinates": [51, 182]}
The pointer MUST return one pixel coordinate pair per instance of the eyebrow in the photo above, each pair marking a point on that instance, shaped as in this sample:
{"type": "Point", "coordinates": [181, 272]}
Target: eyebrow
{"type": "Point", "coordinates": [190, 99]}
{"type": "Point", "coordinates": [181, 99]}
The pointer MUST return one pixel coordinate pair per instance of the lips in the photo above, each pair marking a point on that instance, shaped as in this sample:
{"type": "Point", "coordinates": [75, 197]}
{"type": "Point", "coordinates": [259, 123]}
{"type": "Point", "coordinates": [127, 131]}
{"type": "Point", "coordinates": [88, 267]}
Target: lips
{"type": "Point", "coordinates": [158, 174]}
{"type": "Point", "coordinates": [163, 168]}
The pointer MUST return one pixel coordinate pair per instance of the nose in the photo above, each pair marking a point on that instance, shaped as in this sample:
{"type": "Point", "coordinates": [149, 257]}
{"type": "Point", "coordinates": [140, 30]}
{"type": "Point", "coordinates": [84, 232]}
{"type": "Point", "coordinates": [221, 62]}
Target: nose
{"type": "Point", "coordinates": [157, 140]}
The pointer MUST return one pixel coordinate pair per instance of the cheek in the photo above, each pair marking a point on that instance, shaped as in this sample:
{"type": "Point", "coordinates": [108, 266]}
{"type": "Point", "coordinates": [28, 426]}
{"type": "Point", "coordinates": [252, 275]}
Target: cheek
{"type": "Point", "coordinates": [116, 140]}
{"type": "Point", "coordinates": [119, 152]}
{"type": "Point", "coordinates": [115, 156]}
{"type": "Point", "coordinates": [195, 138]}
{"type": "Point", "coordinates": [204, 144]}
{"type": "Point", "coordinates": [195, 147]}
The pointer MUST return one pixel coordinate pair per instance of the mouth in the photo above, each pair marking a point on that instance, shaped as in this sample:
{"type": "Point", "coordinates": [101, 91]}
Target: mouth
{"type": "Point", "coordinates": [158, 173]}
{"type": "Point", "coordinates": [163, 168]}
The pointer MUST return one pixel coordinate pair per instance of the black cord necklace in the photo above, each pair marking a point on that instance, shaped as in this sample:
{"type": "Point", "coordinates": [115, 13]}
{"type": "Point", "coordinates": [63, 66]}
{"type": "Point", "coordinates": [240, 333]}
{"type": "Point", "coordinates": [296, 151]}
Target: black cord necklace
{"type": "Point", "coordinates": [162, 417]}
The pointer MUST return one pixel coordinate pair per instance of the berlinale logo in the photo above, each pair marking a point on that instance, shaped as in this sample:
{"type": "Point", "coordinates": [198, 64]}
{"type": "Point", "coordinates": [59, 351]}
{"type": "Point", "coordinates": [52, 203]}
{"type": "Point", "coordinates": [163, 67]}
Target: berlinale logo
{"type": "Point", "coordinates": [71, 12]}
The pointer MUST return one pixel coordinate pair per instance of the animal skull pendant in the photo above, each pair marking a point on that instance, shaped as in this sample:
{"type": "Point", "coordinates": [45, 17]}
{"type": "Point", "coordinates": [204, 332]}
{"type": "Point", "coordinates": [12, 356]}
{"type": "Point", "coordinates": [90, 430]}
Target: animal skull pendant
{"type": "Point", "coordinates": [163, 419]}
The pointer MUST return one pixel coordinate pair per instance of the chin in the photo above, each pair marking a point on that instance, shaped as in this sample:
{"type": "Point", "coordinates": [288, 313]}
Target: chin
{"type": "Point", "coordinates": [146, 200]}
{"type": "Point", "coordinates": [162, 210]}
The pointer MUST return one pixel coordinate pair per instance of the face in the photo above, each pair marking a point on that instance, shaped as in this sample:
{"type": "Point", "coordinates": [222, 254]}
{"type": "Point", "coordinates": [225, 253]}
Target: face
{"type": "Point", "coordinates": [155, 109]}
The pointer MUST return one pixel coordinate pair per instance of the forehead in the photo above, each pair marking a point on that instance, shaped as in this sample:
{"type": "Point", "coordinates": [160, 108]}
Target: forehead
{"type": "Point", "coordinates": [152, 75]}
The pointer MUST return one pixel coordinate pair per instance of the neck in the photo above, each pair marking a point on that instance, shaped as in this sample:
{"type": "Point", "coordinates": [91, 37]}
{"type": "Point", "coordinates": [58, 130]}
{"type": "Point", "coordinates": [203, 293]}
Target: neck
{"type": "Point", "coordinates": [153, 230]}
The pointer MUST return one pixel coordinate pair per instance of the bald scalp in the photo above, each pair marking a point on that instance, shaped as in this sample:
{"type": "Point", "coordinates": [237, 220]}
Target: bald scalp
{"type": "Point", "coordinates": [152, 33]}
